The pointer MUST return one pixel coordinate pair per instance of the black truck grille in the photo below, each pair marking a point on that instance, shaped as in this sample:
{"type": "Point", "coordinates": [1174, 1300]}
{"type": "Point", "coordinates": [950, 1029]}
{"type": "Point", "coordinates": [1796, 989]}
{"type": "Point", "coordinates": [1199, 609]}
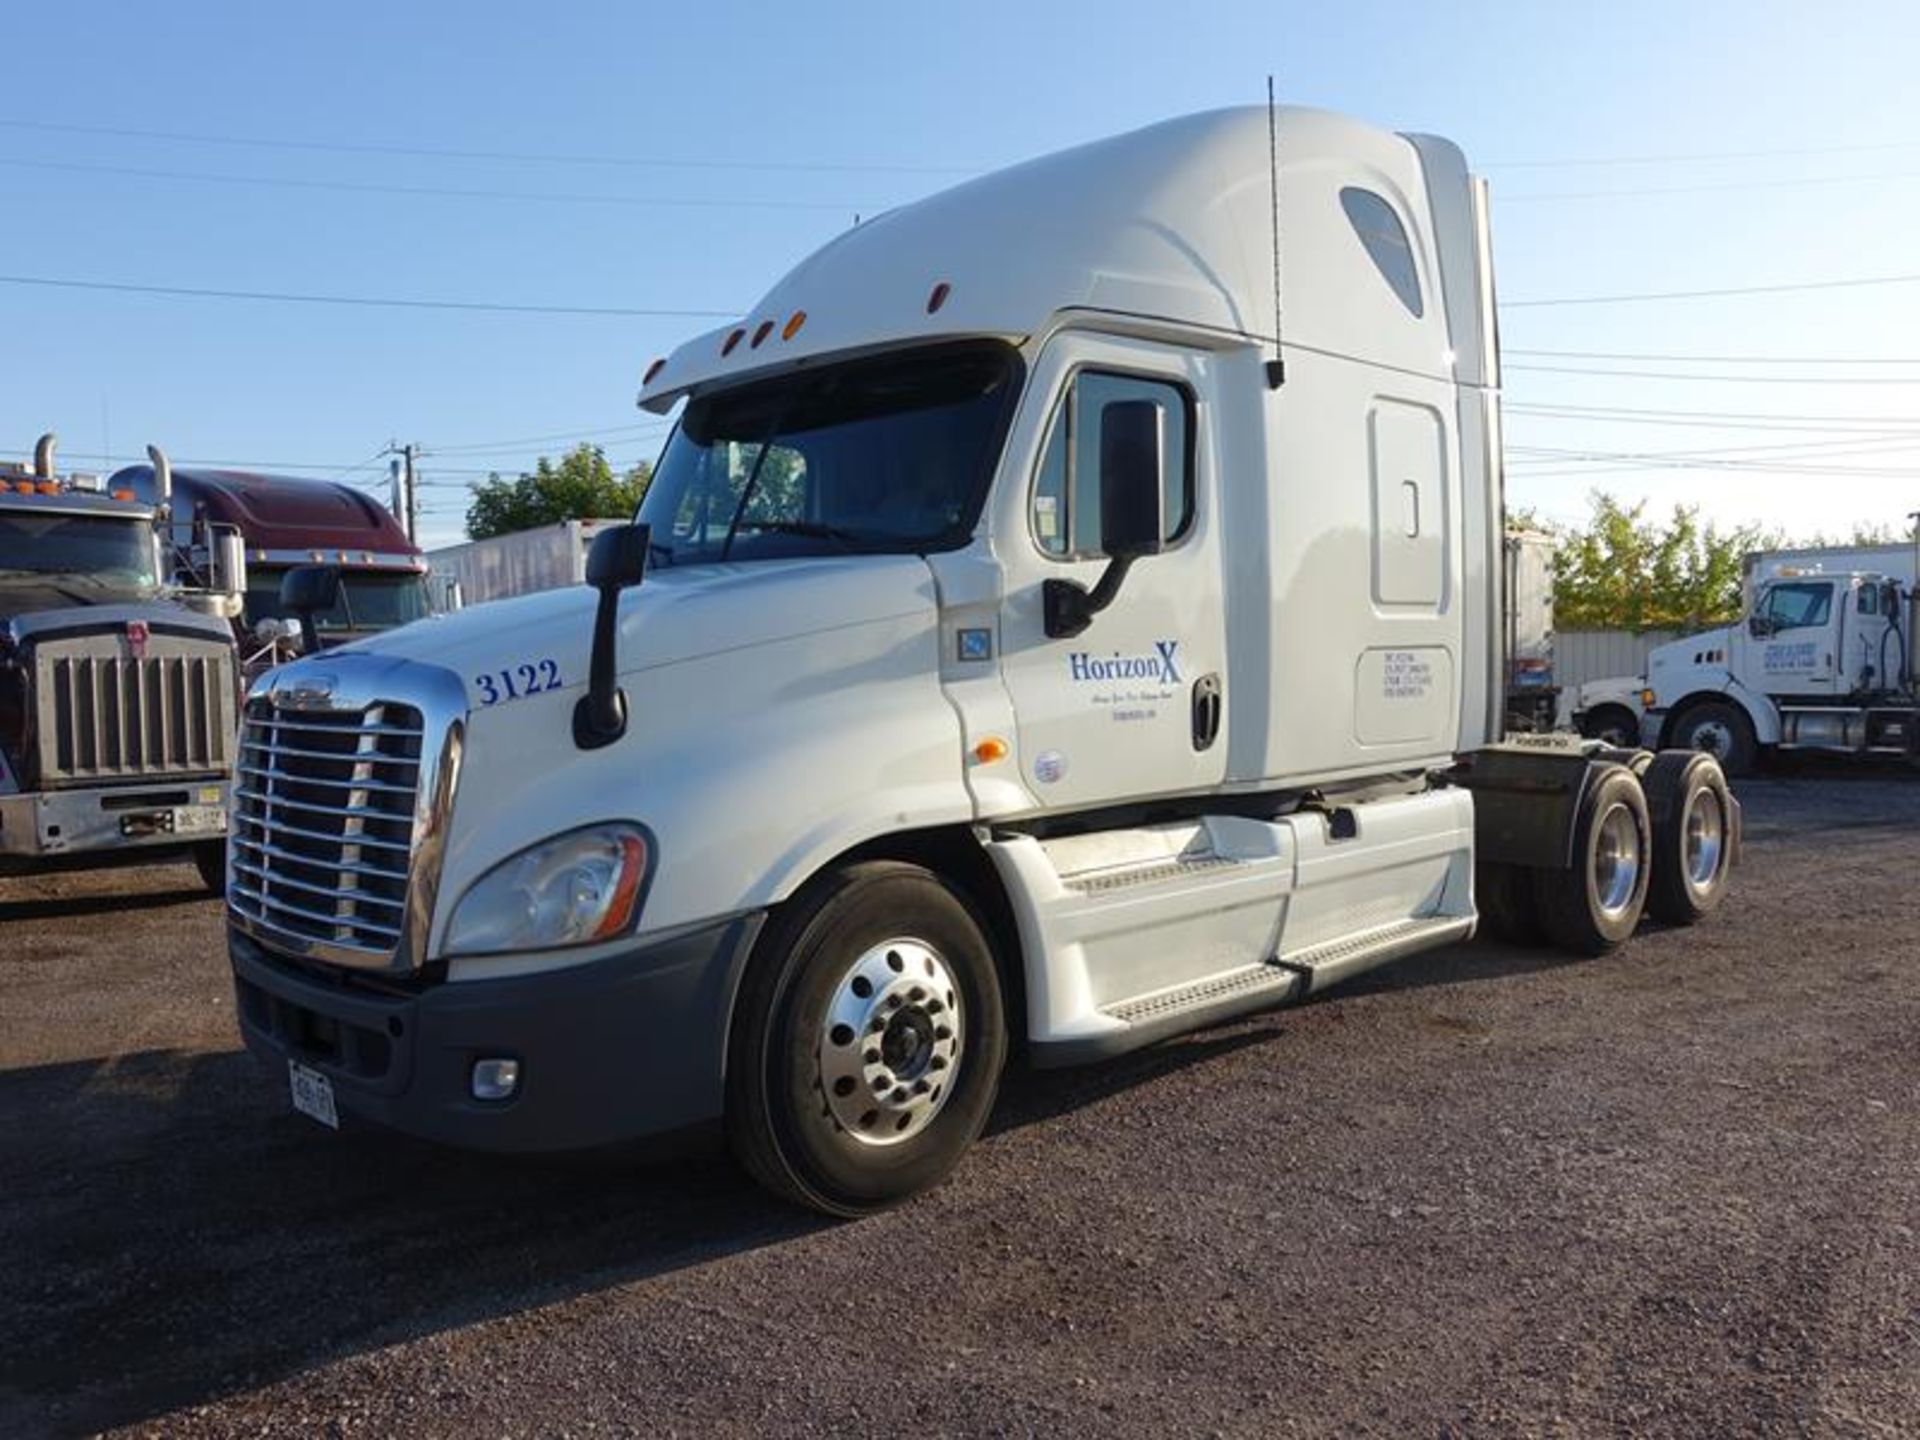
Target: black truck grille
{"type": "Point", "coordinates": [323, 817]}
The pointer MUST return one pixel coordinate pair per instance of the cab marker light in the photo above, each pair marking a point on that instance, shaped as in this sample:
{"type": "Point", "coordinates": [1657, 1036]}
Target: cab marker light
{"type": "Point", "coordinates": [654, 369]}
{"type": "Point", "coordinates": [49, 487]}
{"type": "Point", "coordinates": [123, 494]}
{"type": "Point", "coordinates": [734, 337]}
{"type": "Point", "coordinates": [938, 297]}
{"type": "Point", "coordinates": [1647, 698]}
{"type": "Point", "coordinates": [794, 322]}
{"type": "Point", "coordinates": [991, 749]}
{"type": "Point", "coordinates": [25, 487]}
{"type": "Point", "coordinates": [764, 329]}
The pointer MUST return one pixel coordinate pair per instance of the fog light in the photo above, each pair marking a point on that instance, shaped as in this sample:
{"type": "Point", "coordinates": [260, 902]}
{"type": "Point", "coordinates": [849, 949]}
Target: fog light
{"type": "Point", "coordinates": [495, 1079]}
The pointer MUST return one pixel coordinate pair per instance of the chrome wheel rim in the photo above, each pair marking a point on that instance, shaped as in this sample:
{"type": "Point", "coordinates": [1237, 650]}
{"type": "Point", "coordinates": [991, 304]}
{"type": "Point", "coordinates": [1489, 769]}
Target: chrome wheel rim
{"type": "Point", "coordinates": [1616, 861]}
{"type": "Point", "coordinates": [890, 1045]}
{"type": "Point", "coordinates": [1706, 830]}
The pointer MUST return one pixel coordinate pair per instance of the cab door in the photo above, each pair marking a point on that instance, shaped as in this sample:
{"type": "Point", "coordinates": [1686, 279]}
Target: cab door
{"type": "Point", "coordinates": [1133, 706]}
{"type": "Point", "coordinates": [1791, 643]}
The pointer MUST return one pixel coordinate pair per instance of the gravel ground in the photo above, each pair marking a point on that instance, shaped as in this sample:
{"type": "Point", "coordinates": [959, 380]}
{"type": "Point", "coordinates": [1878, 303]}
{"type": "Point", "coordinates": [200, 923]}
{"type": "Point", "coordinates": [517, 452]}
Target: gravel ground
{"type": "Point", "coordinates": [1484, 1192]}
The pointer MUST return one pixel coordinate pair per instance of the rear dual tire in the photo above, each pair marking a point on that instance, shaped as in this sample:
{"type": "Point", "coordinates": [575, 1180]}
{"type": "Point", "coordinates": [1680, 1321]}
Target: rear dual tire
{"type": "Point", "coordinates": [1592, 906]}
{"type": "Point", "coordinates": [1693, 835]}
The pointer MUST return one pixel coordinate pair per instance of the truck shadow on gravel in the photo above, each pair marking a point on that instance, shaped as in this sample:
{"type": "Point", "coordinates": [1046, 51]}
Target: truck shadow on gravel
{"type": "Point", "coordinates": [173, 1236]}
{"type": "Point", "coordinates": [76, 907]}
{"type": "Point", "coordinates": [177, 1236]}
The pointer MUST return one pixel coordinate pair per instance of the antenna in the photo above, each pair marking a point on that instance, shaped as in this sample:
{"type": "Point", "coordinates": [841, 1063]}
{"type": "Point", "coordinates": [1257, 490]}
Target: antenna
{"type": "Point", "coordinates": [1276, 367]}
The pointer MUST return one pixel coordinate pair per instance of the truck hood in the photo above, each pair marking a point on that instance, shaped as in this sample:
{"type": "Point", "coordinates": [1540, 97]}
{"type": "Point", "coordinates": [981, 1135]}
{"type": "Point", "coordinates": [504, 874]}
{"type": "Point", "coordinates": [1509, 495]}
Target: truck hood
{"type": "Point", "coordinates": [66, 618]}
{"type": "Point", "coordinates": [678, 614]}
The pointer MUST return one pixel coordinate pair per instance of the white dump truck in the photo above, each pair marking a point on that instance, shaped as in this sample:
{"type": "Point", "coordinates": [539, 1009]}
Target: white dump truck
{"type": "Point", "coordinates": [1045, 641]}
{"type": "Point", "coordinates": [1823, 659]}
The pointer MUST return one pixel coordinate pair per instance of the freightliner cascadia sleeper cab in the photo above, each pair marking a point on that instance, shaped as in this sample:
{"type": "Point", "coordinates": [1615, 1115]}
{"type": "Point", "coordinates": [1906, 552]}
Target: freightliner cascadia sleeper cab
{"type": "Point", "coordinates": [1025, 652]}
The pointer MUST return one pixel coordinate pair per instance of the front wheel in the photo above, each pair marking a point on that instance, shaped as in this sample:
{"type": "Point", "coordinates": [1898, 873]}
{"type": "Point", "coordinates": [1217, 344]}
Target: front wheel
{"type": "Point", "coordinates": [1723, 731]}
{"type": "Point", "coordinates": [868, 1040]}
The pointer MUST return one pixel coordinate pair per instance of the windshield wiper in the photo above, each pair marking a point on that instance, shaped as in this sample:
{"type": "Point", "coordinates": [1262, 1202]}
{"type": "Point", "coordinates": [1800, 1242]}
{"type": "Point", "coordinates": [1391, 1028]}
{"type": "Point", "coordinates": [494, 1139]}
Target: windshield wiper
{"type": "Point", "coordinates": [808, 528]}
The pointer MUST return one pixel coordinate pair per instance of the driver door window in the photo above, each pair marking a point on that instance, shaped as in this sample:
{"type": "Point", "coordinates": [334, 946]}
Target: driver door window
{"type": "Point", "coordinates": [1065, 509]}
{"type": "Point", "coordinates": [1797, 607]}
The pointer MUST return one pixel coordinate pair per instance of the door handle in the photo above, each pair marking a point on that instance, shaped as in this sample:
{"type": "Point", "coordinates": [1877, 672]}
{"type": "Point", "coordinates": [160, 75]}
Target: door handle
{"type": "Point", "coordinates": [1206, 711]}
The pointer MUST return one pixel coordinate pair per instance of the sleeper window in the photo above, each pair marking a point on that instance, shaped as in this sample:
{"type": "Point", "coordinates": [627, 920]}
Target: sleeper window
{"type": "Point", "coordinates": [1386, 242]}
{"type": "Point", "coordinates": [1066, 490]}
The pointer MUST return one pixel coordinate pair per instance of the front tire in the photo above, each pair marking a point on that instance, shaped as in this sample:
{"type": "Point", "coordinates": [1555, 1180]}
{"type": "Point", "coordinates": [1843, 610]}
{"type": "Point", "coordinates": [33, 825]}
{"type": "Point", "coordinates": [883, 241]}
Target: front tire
{"type": "Point", "coordinates": [868, 1040]}
{"type": "Point", "coordinates": [1592, 906]}
{"type": "Point", "coordinates": [210, 859]}
{"type": "Point", "coordinates": [1612, 724]}
{"type": "Point", "coordinates": [1723, 731]}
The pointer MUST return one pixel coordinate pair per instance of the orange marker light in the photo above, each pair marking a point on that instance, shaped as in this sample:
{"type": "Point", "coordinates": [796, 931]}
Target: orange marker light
{"type": "Point", "coordinates": [991, 749]}
{"type": "Point", "coordinates": [123, 494]}
{"type": "Point", "coordinates": [25, 487]}
{"type": "Point", "coordinates": [654, 369]}
{"type": "Point", "coordinates": [765, 329]}
{"type": "Point", "coordinates": [938, 297]}
{"type": "Point", "coordinates": [49, 487]}
{"type": "Point", "coordinates": [733, 340]}
{"type": "Point", "coordinates": [794, 322]}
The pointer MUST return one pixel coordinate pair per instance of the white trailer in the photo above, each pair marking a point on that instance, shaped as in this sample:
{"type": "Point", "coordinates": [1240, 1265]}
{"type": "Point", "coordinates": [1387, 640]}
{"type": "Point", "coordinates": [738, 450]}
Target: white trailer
{"type": "Point", "coordinates": [1044, 634]}
{"type": "Point", "coordinates": [1823, 659]}
{"type": "Point", "coordinates": [547, 558]}
{"type": "Point", "coordinates": [1532, 687]}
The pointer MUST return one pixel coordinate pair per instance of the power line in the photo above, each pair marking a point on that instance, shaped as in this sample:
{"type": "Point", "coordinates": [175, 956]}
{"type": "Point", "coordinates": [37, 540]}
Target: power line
{"type": "Point", "coordinates": [1712, 187]}
{"type": "Point", "coordinates": [1761, 419]}
{"type": "Point", "coordinates": [379, 302]}
{"type": "Point", "coordinates": [1712, 294]}
{"type": "Point", "coordinates": [634, 431]}
{"type": "Point", "coordinates": [1700, 157]}
{"type": "Point", "coordinates": [680, 162]}
{"type": "Point", "coordinates": [1713, 359]}
{"type": "Point", "coordinates": [364, 187]}
{"type": "Point", "coordinates": [1718, 379]}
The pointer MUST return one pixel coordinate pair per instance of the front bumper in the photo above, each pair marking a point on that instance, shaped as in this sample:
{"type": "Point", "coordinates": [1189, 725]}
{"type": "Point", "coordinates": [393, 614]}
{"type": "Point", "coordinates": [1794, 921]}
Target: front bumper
{"type": "Point", "coordinates": [611, 1050]}
{"type": "Point", "coordinates": [51, 828]}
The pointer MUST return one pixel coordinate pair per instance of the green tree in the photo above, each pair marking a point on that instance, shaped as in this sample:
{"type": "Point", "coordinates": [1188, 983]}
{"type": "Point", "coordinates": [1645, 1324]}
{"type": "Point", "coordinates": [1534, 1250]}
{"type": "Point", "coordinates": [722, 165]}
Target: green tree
{"type": "Point", "coordinates": [1623, 570]}
{"type": "Point", "coordinates": [581, 485]}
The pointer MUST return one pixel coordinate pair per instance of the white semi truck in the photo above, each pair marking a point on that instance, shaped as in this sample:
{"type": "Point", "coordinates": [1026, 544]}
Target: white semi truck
{"type": "Point", "coordinates": [1823, 659]}
{"type": "Point", "coordinates": [1045, 639]}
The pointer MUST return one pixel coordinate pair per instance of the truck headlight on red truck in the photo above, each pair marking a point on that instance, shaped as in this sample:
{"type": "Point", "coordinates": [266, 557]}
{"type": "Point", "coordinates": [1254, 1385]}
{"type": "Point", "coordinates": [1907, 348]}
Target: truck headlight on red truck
{"type": "Point", "coordinates": [575, 889]}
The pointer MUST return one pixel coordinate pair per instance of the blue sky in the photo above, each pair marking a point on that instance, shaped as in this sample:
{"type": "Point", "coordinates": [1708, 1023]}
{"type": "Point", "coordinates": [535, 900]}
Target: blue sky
{"type": "Point", "coordinates": [770, 127]}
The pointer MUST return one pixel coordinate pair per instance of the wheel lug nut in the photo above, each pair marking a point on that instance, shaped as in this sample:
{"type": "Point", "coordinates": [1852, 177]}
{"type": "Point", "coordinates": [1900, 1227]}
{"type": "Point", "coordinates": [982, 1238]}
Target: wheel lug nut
{"type": "Point", "coordinates": [939, 1062]}
{"type": "Point", "coordinates": [872, 1057]}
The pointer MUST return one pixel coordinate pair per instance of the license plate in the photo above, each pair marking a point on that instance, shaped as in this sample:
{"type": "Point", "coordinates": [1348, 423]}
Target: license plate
{"type": "Point", "coordinates": [312, 1094]}
{"type": "Point", "coordinates": [200, 820]}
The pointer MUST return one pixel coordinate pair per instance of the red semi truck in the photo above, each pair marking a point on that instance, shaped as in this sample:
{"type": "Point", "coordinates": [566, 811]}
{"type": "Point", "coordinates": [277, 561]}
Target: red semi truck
{"type": "Point", "coordinates": [285, 522]}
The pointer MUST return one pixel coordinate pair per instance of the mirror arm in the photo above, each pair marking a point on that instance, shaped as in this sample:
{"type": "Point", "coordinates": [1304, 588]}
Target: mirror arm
{"type": "Point", "coordinates": [1070, 608]}
{"type": "Point", "coordinates": [600, 715]}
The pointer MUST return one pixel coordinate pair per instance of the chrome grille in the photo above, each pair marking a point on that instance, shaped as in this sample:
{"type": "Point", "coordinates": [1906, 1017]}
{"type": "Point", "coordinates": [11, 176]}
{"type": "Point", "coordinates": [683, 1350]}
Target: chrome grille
{"type": "Point", "coordinates": [103, 715]}
{"type": "Point", "coordinates": [323, 822]}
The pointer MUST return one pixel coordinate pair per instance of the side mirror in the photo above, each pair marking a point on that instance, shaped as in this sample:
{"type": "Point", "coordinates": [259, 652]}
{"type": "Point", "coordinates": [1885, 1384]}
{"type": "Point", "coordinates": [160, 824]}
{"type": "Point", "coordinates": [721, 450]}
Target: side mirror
{"type": "Point", "coordinates": [306, 591]}
{"type": "Point", "coordinates": [1132, 496]}
{"type": "Point", "coordinates": [1132, 512]}
{"type": "Point", "coordinates": [617, 561]}
{"type": "Point", "coordinates": [1759, 626]}
{"type": "Point", "coordinates": [230, 566]}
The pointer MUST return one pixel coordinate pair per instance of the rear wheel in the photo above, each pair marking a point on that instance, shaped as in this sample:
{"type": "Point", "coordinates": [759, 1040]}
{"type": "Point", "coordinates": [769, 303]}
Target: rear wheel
{"type": "Point", "coordinates": [210, 859]}
{"type": "Point", "coordinates": [1692, 810]}
{"type": "Point", "coordinates": [1722, 730]}
{"type": "Point", "coordinates": [868, 1041]}
{"type": "Point", "coordinates": [1593, 905]}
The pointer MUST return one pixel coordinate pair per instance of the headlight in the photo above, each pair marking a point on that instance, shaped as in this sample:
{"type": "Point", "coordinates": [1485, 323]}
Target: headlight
{"type": "Point", "coordinates": [571, 890]}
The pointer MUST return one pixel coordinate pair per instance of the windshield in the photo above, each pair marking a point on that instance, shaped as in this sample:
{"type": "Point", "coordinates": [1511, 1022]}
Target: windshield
{"type": "Point", "coordinates": [367, 601]}
{"type": "Point", "coordinates": [891, 454]}
{"type": "Point", "coordinates": [92, 552]}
